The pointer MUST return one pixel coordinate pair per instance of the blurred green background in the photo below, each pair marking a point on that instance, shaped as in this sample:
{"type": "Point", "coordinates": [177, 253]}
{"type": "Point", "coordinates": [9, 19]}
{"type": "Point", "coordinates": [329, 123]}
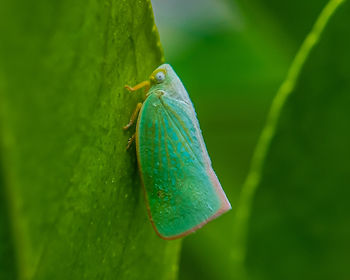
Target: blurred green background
{"type": "Point", "coordinates": [232, 57]}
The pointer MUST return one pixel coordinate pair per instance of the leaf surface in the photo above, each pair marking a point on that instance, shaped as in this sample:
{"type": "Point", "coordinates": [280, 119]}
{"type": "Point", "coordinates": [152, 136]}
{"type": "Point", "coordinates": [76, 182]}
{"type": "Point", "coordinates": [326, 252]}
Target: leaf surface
{"type": "Point", "coordinates": [71, 205]}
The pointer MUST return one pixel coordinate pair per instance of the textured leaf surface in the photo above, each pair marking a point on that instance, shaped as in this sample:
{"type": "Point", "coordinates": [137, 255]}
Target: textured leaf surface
{"type": "Point", "coordinates": [299, 228]}
{"type": "Point", "coordinates": [71, 205]}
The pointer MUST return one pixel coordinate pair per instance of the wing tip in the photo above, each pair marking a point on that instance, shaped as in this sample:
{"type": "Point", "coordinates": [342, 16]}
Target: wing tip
{"type": "Point", "coordinates": [225, 206]}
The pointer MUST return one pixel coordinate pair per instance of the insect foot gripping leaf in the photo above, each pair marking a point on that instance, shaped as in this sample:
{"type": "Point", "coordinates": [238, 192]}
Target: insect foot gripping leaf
{"type": "Point", "coordinates": [181, 189]}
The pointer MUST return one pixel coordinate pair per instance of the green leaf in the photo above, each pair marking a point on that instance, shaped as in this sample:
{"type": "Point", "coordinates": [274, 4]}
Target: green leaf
{"type": "Point", "coordinates": [71, 205]}
{"type": "Point", "coordinates": [298, 226]}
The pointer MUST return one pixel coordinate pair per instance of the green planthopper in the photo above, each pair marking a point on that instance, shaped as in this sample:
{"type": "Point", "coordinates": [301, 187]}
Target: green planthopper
{"type": "Point", "coordinates": [181, 189]}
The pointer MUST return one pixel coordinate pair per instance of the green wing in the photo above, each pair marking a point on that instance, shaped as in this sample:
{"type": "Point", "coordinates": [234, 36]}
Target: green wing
{"type": "Point", "coordinates": [181, 188]}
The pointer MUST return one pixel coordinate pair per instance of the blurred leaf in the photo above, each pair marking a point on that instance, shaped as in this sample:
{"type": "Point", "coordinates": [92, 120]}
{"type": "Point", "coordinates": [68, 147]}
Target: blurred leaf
{"type": "Point", "coordinates": [287, 22]}
{"type": "Point", "coordinates": [299, 226]}
{"type": "Point", "coordinates": [71, 201]}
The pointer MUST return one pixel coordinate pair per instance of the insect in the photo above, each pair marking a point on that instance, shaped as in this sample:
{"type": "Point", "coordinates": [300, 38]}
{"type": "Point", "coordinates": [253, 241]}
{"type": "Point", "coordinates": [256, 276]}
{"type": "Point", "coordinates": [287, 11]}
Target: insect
{"type": "Point", "coordinates": [181, 189]}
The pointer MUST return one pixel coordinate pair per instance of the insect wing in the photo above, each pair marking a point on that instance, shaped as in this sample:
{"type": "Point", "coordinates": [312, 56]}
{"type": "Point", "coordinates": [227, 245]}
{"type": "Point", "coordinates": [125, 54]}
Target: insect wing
{"type": "Point", "coordinates": [181, 188]}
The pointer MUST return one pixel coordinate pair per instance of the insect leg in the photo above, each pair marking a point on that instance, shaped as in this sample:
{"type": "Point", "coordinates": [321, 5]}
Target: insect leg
{"type": "Point", "coordinates": [133, 116]}
{"type": "Point", "coordinates": [145, 84]}
{"type": "Point", "coordinates": [130, 141]}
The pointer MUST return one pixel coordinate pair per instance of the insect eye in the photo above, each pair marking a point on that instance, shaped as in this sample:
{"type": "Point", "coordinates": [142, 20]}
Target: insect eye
{"type": "Point", "coordinates": [160, 76]}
